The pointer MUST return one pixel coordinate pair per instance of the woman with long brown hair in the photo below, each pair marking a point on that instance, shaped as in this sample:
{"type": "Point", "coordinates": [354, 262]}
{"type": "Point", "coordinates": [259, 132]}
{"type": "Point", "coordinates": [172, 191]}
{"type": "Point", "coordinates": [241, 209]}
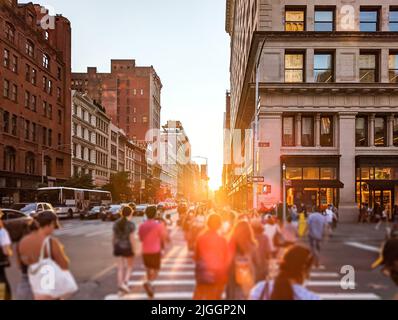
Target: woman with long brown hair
{"type": "Point", "coordinates": [243, 246]}
{"type": "Point", "coordinates": [294, 270]}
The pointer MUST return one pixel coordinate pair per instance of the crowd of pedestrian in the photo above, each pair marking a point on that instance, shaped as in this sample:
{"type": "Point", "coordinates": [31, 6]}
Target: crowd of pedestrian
{"type": "Point", "coordinates": [237, 253]}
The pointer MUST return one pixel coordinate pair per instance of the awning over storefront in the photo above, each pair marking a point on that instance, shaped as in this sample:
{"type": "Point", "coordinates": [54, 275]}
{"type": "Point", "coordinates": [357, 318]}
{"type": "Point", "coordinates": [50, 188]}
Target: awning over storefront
{"type": "Point", "coordinates": [382, 184]}
{"type": "Point", "coordinates": [311, 161]}
{"type": "Point", "coordinates": [317, 184]}
{"type": "Point", "coordinates": [377, 161]}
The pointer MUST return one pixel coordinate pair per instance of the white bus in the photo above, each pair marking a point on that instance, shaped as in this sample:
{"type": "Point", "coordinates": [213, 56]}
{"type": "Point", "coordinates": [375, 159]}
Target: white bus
{"type": "Point", "coordinates": [70, 201]}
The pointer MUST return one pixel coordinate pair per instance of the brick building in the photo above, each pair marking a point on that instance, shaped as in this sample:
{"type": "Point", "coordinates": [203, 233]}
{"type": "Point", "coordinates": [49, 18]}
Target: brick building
{"type": "Point", "coordinates": [130, 94]}
{"type": "Point", "coordinates": [35, 100]}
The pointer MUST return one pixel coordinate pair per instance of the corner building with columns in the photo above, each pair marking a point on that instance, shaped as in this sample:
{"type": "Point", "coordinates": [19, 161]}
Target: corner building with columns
{"type": "Point", "coordinates": [327, 111]}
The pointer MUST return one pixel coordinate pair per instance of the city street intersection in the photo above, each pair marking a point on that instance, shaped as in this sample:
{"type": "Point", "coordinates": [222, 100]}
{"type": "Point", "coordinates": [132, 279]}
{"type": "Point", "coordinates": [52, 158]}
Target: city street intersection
{"type": "Point", "coordinates": [88, 244]}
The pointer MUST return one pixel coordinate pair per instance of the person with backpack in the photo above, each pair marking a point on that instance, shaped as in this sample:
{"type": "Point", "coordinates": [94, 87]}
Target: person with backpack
{"type": "Point", "coordinates": [211, 260]}
{"type": "Point", "coordinates": [123, 248]}
{"type": "Point", "coordinates": [153, 236]}
{"type": "Point", "coordinates": [243, 245]}
{"type": "Point", "coordinates": [5, 254]}
{"type": "Point", "coordinates": [294, 270]}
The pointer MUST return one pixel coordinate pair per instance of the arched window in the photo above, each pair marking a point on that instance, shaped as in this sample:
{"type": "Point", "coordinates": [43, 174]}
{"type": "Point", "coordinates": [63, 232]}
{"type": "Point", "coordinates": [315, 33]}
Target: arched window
{"type": "Point", "coordinates": [47, 166]}
{"type": "Point", "coordinates": [30, 48]}
{"type": "Point", "coordinates": [10, 32]}
{"type": "Point", "coordinates": [10, 156]}
{"type": "Point", "coordinates": [30, 164]}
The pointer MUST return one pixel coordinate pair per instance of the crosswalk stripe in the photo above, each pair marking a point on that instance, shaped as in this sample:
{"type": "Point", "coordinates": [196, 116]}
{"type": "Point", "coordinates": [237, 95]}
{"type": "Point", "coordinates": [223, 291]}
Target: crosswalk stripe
{"type": "Point", "coordinates": [363, 246]}
{"type": "Point", "coordinates": [349, 296]}
{"type": "Point", "coordinates": [324, 275]}
{"type": "Point", "coordinates": [326, 284]}
{"type": "Point", "coordinates": [166, 273]}
{"type": "Point", "coordinates": [162, 283]}
{"type": "Point", "coordinates": [160, 296]}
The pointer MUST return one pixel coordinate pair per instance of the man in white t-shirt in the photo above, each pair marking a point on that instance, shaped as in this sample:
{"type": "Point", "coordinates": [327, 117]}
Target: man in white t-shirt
{"type": "Point", "coordinates": [329, 220]}
{"type": "Point", "coordinates": [5, 253]}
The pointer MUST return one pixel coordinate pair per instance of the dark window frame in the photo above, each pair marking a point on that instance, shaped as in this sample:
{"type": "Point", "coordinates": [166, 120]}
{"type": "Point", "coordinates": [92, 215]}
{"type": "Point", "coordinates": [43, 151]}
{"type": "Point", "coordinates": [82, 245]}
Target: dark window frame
{"type": "Point", "coordinates": [312, 142]}
{"type": "Point", "coordinates": [284, 144]}
{"type": "Point", "coordinates": [325, 9]}
{"type": "Point", "coordinates": [370, 9]}
{"type": "Point", "coordinates": [333, 64]}
{"type": "Point", "coordinates": [295, 8]}
{"type": "Point", "coordinates": [366, 129]}
{"type": "Point", "coordinates": [395, 22]}
{"type": "Point", "coordinates": [296, 52]}
{"type": "Point", "coordinates": [395, 70]}
{"type": "Point", "coordinates": [330, 144]}
{"type": "Point", "coordinates": [385, 130]}
{"type": "Point", "coordinates": [377, 64]}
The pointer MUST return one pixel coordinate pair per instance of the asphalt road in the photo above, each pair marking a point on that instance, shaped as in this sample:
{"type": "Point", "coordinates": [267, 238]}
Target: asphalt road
{"type": "Point", "coordinates": [88, 244]}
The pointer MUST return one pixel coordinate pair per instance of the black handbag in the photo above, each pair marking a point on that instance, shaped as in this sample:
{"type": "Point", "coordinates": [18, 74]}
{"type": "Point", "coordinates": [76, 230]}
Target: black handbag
{"type": "Point", "coordinates": [122, 248]}
{"type": "Point", "coordinates": [4, 260]}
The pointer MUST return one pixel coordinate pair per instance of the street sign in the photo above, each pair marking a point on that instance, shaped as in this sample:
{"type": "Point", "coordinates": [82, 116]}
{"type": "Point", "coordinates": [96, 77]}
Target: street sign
{"type": "Point", "coordinates": [255, 179]}
{"type": "Point", "coordinates": [264, 144]}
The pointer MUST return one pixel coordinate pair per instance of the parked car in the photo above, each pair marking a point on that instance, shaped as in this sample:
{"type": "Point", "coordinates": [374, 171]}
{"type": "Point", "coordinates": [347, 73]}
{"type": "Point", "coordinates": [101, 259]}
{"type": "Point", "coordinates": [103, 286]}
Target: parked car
{"type": "Point", "coordinates": [93, 213]}
{"type": "Point", "coordinates": [33, 209]}
{"type": "Point", "coordinates": [112, 213]}
{"type": "Point", "coordinates": [140, 210]}
{"type": "Point", "coordinates": [16, 223]}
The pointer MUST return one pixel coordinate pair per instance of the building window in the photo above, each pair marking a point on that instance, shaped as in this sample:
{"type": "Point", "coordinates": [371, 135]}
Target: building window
{"type": "Point", "coordinates": [30, 163]}
{"type": "Point", "coordinates": [34, 132]}
{"type": "Point", "coordinates": [50, 87]}
{"type": "Point", "coordinates": [14, 64]}
{"type": "Point", "coordinates": [311, 173]}
{"type": "Point", "coordinates": [393, 67]}
{"type": "Point", "coordinates": [14, 93]}
{"type": "Point", "coordinates": [369, 20]}
{"type": "Point", "coordinates": [288, 132]}
{"type": "Point", "coordinates": [144, 119]}
{"type": "Point", "coordinates": [46, 35]}
{"type": "Point", "coordinates": [34, 77]}
{"type": "Point", "coordinates": [59, 139]}
{"type": "Point", "coordinates": [50, 112]}
{"type": "Point", "coordinates": [46, 61]}
{"type": "Point", "coordinates": [10, 32]}
{"type": "Point", "coordinates": [59, 73]}
{"type": "Point", "coordinates": [295, 20]}
{"type": "Point", "coordinates": [6, 60]}
{"type": "Point", "coordinates": [59, 96]}
{"type": "Point", "coordinates": [368, 65]}
{"type": "Point", "coordinates": [323, 67]}
{"type": "Point", "coordinates": [361, 132]}
{"type": "Point", "coordinates": [6, 89]}
{"type": "Point", "coordinates": [328, 174]}
{"type": "Point", "coordinates": [30, 48]}
{"type": "Point", "coordinates": [307, 132]}
{"type": "Point", "coordinates": [47, 166]}
{"type": "Point", "coordinates": [324, 20]}
{"type": "Point", "coordinates": [395, 130]}
{"type": "Point", "coordinates": [294, 67]}
{"type": "Point", "coordinates": [27, 129]}
{"type": "Point", "coordinates": [33, 103]}
{"type": "Point", "coordinates": [27, 99]}
{"type": "Point", "coordinates": [327, 131]}
{"type": "Point", "coordinates": [27, 73]}
{"type": "Point", "coordinates": [6, 121]}
{"type": "Point", "coordinates": [10, 159]}
{"type": "Point", "coordinates": [45, 84]}
{"type": "Point", "coordinates": [50, 137]}
{"type": "Point", "coordinates": [44, 136]}
{"type": "Point", "coordinates": [59, 116]}
{"type": "Point", "coordinates": [393, 19]}
{"type": "Point", "coordinates": [380, 133]}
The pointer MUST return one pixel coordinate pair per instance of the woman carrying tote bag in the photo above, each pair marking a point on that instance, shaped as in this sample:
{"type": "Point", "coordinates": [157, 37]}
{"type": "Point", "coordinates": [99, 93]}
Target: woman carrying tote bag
{"type": "Point", "coordinates": [47, 263]}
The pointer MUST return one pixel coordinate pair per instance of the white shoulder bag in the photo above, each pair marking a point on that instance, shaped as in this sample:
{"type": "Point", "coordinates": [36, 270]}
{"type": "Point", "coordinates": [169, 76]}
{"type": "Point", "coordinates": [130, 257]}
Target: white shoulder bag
{"type": "Point", "coordinates": [47, 279]}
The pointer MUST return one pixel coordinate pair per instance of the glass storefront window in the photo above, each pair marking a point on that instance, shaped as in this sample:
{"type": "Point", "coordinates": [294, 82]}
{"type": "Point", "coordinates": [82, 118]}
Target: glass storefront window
{"type": "Point", "coordinates": [294, 174]}
{"type": "Point", "coordinates": [365, 173]}
{"type": "Point", "coordinates": [380, 132]}
{"type": "Point", "coordinates": [327, 132]}
{"type": "Point", "coordinates": [328, 174]}
{"type": "Point", "coordinates": [383, 173]}
{"type": "Point", "coordinates": [311, 173]}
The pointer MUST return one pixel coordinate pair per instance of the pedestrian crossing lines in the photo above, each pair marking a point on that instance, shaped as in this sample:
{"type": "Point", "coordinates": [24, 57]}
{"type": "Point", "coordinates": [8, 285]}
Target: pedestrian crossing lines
{"type": "Point", "coordinates": [176, 281]}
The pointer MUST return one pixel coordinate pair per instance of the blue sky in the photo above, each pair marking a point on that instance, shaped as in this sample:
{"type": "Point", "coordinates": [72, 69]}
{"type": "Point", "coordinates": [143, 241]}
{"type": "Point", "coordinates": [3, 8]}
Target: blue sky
{"type": "Point", "coordinates": [183, 39]}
